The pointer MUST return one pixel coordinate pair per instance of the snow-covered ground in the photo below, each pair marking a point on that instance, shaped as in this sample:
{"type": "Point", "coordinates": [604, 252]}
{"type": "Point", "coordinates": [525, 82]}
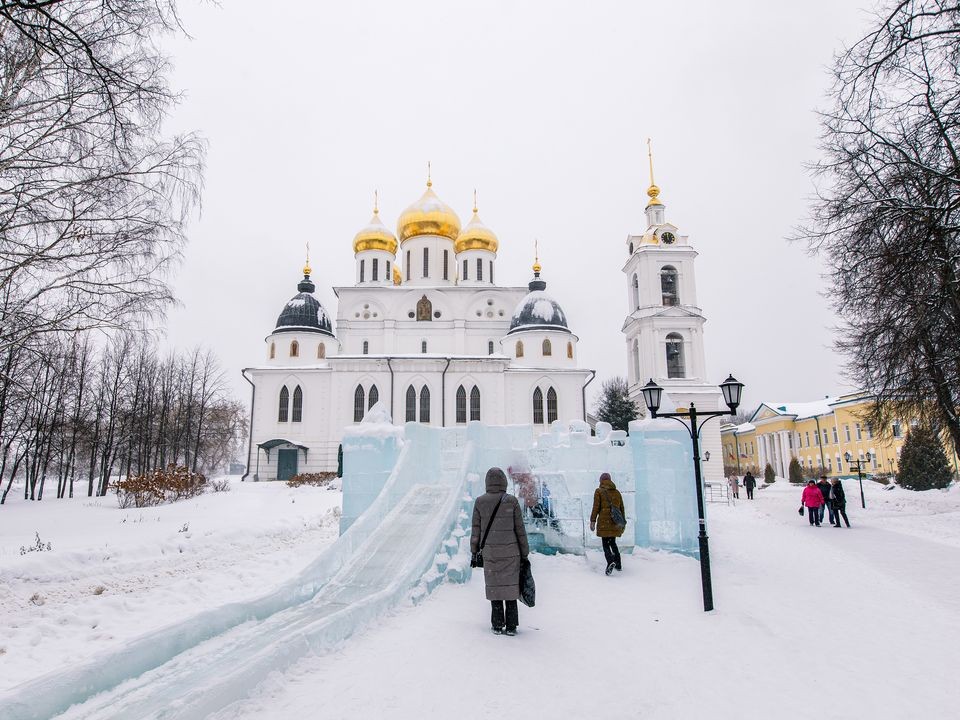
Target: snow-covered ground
{"type": "Point", "coordinates": [114, 574]}
{"type": "Point", "coordinates": [810, 622]}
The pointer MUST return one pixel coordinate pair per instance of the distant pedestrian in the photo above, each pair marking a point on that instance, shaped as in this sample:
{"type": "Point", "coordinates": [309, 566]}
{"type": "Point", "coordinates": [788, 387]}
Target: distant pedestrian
{"type": "Point", "coordinates": [838, 502]}
{"type": "Point", "coordinates": [749, 482]}
{"type": "Point", "coordinates": [812, 500]}
{"type": "Point", "coordinates": [734, 483]}
{"type": "Point", "coordinates": [824, 486]}
{"type": "Point", "coordinates": [499, 537]}
{"type": "Point", "coordinates": [607, 510]}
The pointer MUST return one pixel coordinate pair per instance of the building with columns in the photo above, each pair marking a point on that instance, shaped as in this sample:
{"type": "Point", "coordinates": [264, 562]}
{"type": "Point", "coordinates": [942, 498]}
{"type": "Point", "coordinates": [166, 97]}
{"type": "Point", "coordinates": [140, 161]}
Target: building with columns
{"type": "Point", "coordinates": [663, 328]}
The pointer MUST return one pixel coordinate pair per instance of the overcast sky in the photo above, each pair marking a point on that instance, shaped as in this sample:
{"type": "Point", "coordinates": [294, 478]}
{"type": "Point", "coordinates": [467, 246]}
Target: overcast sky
{"type": "Point", "coordinates": [545, 108]}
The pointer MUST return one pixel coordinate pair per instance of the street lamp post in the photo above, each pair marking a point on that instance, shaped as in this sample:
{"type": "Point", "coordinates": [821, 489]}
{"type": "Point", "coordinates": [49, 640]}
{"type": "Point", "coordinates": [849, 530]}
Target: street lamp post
{"type": "Point", "coordinates": [858, 466]}
{"type": "Point", "coordinates": [732, 390]}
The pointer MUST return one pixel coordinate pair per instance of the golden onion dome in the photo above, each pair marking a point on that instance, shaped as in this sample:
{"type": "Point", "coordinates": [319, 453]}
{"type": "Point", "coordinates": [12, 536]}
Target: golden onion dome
{"type": "Point", "coordinates": [476, 235]}
{"type": "Point", "coordinates": [375, 236]}
{"type": "Point", "coordinates": [428, 216]}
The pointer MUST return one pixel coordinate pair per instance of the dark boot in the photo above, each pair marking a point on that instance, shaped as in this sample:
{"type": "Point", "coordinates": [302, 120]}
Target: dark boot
{"type": "Point", "coordinates": [496, 615]}
{"type": "Point", "coordinates": [513, 617]}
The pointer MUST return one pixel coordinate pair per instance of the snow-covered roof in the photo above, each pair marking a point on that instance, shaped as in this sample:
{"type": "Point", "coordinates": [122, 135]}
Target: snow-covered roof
{"type": "Point", "coordinates": [801, 411]}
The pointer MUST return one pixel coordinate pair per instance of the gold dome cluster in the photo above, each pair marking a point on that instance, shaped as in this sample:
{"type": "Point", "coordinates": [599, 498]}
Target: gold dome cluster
{"type": "Point", "coordinates": [428, 216]}
{"type": "Point", "coordinates": [375, 236]}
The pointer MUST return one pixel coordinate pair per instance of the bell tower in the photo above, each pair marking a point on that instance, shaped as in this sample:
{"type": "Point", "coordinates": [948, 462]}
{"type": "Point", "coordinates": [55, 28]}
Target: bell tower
{"type": "Point", "coordinates": [664, 323]}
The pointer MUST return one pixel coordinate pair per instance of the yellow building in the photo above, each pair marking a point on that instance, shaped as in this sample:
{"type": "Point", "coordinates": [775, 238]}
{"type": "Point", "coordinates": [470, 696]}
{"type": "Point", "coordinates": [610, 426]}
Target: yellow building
{"type": "Point", "coordinates": [819, 434]}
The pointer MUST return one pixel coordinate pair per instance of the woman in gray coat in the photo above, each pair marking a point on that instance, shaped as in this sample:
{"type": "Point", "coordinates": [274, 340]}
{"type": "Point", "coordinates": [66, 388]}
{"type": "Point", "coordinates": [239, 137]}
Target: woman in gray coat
{"type": "Point", "coordinates": [505, 547]}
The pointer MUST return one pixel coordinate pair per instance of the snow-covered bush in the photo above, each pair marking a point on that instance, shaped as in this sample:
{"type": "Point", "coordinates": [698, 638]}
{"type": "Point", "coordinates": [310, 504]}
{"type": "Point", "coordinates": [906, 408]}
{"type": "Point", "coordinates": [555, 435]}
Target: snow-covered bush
{"type": "Point", "coordinates": [174, 483]}
{"type": "Point", "coordinates": [769, 476]}
{"type": "Point", "coordinates": [220, 485]}
{"type": "Point", "coordinates": [923, 463]}
{"type": "Point", "coordinates": [795, 472]}
{"type": "Point", "coordinates": [319, 479]}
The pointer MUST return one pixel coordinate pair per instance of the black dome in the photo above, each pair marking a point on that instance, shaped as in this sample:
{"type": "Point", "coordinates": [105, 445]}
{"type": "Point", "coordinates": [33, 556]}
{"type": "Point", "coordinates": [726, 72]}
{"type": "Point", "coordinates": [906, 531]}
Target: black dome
{"type": "Point", "coordinates": [538, 311]}
{"type": "Point", "coordinates": [304, 313]}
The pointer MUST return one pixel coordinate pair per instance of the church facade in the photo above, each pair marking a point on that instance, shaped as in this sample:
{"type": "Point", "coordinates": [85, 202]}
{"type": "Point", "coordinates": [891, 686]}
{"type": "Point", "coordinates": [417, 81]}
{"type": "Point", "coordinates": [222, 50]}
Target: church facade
{"type": "Point", "coordinates": [424, 333]}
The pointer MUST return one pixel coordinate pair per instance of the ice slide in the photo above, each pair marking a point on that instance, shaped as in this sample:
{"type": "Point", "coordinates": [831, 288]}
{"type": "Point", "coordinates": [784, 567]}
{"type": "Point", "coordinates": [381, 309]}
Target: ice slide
{"type": "Point", "coordinates": [398, 548]}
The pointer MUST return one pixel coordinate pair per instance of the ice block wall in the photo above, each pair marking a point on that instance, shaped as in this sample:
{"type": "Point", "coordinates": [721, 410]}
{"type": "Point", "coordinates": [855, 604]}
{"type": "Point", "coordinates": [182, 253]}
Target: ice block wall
{"type": "Point", "coordinates": [665, 499]}
{"type": "Point", "coordinates": [370, 453]}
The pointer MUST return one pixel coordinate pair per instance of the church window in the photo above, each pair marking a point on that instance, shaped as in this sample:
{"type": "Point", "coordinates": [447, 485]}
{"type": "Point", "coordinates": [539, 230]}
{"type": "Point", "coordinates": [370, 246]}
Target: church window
{"type": "Point", "coordinates": [537, 406]}
{"type": "Point", "coordinates": [491, 272]}
{"type": "Point", "coordinates": [631, 248]}
{"type": "Point", "coordinates": [547, 348]}
{"type": "Point", "coordinates": [423, 347]}
{"type": "Point", "coordinates": [675, 368]}
{"type": "Point", "coordinates": [489, 347]}
{"type": "Point", "coordinates": [273, 350]}
{"type": "Point", "coordinates": [465, 270]}
{"type": "Point", "coordinates": [570, 351]}
{"type": "Point", "coordinates": [284, 404]}
{"type": "Point", "coordinates": [375, 269]}
{"type": "Point", "coordinates": [411, 415]}
{"type": "Point", "coordinates": [424, 309]}
{"type": "Point", "coordinates": [519, 348]}
{"type": "Point", "coordinates": [668, 286]}
{"type": "Point", "coordinates": [408, 265]}
{"type": "Point", "coordinates": [636, 360]}
{"type": "Point", "coordinates": [386, 273]}
{"type": "Point", "coordinates": [446, 258]}
{"type": "Point", "coordinates": [475, 403]}
{"type": "Point", "coordinates": [294, 349]}
{"type": "Point", "coordinates": [425, 404]}
{"type": "Point", "coordinates": [366, 347]}
{"type": "Point", "coordinates": [461, 405]}
{"type": "Point", "coordinates": [635, 292]}
{"type": "Point", "coordinates": [297, 404]}
{"type": "Point", "coordinates": [374, 397]}
{"type": "Point", "coordinates": [362, 266]}
{"type": "Point", "coordinates": [426, 262]}
{"type": "Point", "coordinates": [358, 404]}
{"type": "Point", "coordinates": [551, 405]}
{"type": "Point", "coordinates": [479, 270]}
{"type": "Point", "coordinates": [321, 351]}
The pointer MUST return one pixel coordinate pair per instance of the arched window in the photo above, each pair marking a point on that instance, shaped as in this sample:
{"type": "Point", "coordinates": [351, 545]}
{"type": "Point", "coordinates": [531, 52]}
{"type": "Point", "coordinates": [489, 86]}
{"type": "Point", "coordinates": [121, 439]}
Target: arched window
{"type": "Point", "coordinates": [547, 348]}
{"type": "Point", "coordinates": [375, 269]}
{"type": "Point", "coordinates": [297, 404]}
{"type": "Point", "coordinates": [424, 309]}
{"type": "Point", "coordinates": [424, 404]}
{"type": "Point", "coordinates": [321, 351]}
{"type": "Point", "coordinates": [569, 350]}
{"type": "Point", "coordinates": [423, 347]}
{"type": "Point", "coordinates": [464, 269]}
{"type": "Point", "coordinates": [479, 269]}
{"type": "Point", "coordinates": [361, 270]}
{"type": "Point", "coordinates": [407, 278]}
{"type": "Point", "coordinates": [284, 404]}
{"type": "Point", "coordinates": [675, 368]}
{"type": "Point", "coordinates": [491, 272]}
{"type": "Point", "coordinates": [490, 347]}
{"type": "Point", "coordinates": [294, 349]}
{"type": "Point", "coordinates": [446, 257]}
{"type": "Point", "coordinates": [358, 404]}
{"type": "Point", "coordinates": [635, 292]}
{"type": "Point", "coordinates": [374, 397]}
{"type": "Point", "coordinates": [461, 405]}
{"type": "Point", "coordinates": [475, 403]}
{"type": "Point", "coordinates": [631, 248]}
{"type": "Point", "coordinates": [426, 262]}
{"type": "Point", "coordinates": [366, 347]}
{"type": "Point", "coordinates": [551, 405]}
{"type": "Point", "coordinates": [537, 406]}
{"type": "Point", "coordinates": [519, 348]}
{"type": "Point", "coordinates": [668, 285]}
{"type": "Point", "coordinates": [411, 415]}
{"type": "Point", "coordinates": [636, 360]}
{"type": "Point", "coordinates": [273, 350]}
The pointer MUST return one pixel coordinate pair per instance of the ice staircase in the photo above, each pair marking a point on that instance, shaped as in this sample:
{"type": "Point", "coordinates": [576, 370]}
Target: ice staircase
{"type": "Point", "coordinates": [413, 536]}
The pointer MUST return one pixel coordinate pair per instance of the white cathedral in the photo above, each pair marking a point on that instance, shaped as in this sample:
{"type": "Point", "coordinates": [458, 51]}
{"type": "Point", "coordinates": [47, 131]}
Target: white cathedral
{"type": "Point", "coordinates": [430, 336]}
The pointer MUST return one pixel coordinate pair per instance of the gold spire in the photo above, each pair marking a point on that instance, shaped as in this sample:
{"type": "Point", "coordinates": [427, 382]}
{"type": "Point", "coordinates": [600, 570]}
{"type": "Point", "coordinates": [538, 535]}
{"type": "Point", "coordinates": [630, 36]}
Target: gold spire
{"type": "Point", "coordinates": [429, 181]}
{"type": "Point", "coordinates": [474, 201]}
{"type": "Point", "coordinates": [536, 256]}
{"type": "Point", "coordinates": [653, 191]}
{"type": "Point", "coordinates": [376, 202]}
{"type": "Point", "coordinates": [476, 235]}
{"type": "Point", "coordinates": [306, 267]}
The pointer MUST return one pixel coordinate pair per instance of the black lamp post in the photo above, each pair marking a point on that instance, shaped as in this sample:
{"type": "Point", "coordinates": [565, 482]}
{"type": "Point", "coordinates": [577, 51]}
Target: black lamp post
{"type": "Point", "coordinates": [858, 466]}
{"type": "Point", "coordinates": [732, 390]}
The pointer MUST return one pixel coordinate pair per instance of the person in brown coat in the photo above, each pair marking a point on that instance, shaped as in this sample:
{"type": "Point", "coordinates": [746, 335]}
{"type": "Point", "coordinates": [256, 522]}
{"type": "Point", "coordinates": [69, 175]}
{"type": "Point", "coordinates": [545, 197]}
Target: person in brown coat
{"type": "Point", "coordinates": [506, 546]}
{"type": "Point", "coordinates": [601, 519]}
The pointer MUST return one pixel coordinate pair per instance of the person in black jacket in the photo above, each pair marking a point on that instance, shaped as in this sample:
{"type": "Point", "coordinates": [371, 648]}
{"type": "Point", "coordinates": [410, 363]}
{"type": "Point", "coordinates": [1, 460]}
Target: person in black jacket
{"type": "Point", "coordinates": [749, 482]}
{"type": "Point", "coordinates": [838, 502]}
{"type": "Point", "coordinates": [825, 486]}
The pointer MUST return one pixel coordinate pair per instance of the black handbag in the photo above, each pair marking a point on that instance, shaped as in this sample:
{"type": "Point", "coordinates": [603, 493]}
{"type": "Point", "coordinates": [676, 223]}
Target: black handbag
{"type": "Point", "coordinates": [800, 510]}
{"type": "Point", "coordinates": [528, 589]}
{"type": "Point", "coordinates": [618, 519]}
{"type": "Point", "coordinates": [476, 559]}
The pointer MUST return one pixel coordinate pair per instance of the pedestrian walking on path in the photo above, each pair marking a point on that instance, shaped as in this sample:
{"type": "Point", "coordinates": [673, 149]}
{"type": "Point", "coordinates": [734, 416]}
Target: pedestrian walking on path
{"type": "Point", "coordinates": [824, 486]}
{"type": "Point", "coordinates": [749, 482]}
{"type": "Point", "coordinates": [734, 483]}
{"type": "Point", "coordinates": [499, 538]}
{"type": "Point", "coordinates": [608, 519]}
{"type": "Point", "coordinates": [812, 500]}
{"type": "Point", "coordinates": [838, 502]}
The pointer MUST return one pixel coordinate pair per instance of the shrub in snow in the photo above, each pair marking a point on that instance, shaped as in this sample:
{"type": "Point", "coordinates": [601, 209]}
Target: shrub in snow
{"type": "Point", "coordinates": [795, 472]}
{"type": "Point", "coordinates": [37, 599]}
{"type": "Point", "coordinates": [923, 463]}
{"type": "Point", "coordinates": [768, 474]}
{"type": "Point", "coordinates": [319, 479]}
{"type": "Point", "coordinates": [38, 546]}
{"type": "Point", "coordinates": [161, 486]}
{"type": "Point", "coordinates": [220, 485]}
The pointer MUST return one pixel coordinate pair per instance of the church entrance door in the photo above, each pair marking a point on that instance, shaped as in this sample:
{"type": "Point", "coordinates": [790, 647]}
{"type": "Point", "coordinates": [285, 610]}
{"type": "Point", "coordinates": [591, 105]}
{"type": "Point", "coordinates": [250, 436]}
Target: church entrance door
{"type": "Point", "coordinates": [286, 464]}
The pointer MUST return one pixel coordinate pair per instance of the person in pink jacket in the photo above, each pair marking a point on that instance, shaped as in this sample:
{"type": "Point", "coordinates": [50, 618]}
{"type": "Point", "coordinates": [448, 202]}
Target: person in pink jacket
{"type": "Point", "coordinates": [812, 499]}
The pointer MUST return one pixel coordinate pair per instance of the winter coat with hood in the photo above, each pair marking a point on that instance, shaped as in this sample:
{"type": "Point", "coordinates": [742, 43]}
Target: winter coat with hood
{"type": "Point", "coordinates": [506, 542]}
{"type": "Point", "coordinates": [812, 497]}
{"type": "Point", "coordinates": [749, 481]}
{"type": "Point", "coordinates": [838, 497]}
{"type": "Point", "coordinates": [603, 497]}
{"type": "Point", "coordinates": [824, 486]}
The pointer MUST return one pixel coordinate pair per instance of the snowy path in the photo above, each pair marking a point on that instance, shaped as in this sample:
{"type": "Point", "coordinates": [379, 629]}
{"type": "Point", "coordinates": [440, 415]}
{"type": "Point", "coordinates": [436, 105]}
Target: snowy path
{"type": "Point", "coordinates": [865, 617]}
